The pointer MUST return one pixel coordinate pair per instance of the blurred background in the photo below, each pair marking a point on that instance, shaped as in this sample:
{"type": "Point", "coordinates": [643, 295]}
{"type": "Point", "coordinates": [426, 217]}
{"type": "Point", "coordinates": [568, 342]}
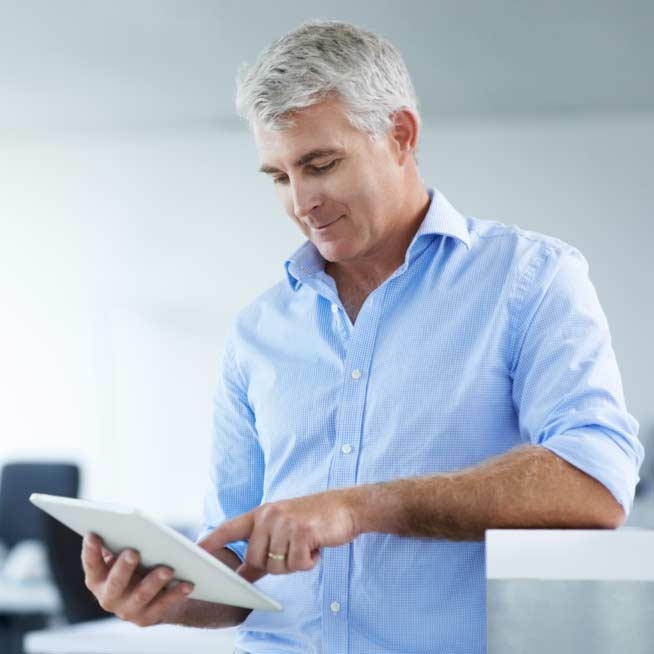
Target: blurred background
{"type": "Point", "coordinates": [133, 223]}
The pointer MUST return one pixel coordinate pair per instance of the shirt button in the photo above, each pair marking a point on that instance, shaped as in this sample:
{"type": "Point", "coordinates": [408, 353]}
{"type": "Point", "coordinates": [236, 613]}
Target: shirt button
{"type": "Point", "coordinates": [346, 449]}
{"type": "Point", "coordinates": [335, 607]}
{"type": "Point", "coordinates": [356, 373]}
{"type": "Point", "coordinates": [334, 308]}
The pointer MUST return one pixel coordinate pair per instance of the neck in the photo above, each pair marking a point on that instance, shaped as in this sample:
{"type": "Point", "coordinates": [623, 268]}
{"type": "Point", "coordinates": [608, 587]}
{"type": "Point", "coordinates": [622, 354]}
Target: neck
{"type": "Point", "coordinates": [374, 268]}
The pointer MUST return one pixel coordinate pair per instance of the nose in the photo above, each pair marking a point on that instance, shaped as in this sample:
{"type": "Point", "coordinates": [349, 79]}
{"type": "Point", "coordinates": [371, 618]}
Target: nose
{"type": "Point", "coordinates": [306, 198]}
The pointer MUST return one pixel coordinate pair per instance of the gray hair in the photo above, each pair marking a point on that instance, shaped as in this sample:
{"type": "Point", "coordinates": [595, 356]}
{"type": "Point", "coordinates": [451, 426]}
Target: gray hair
{"type": "Point", "coordinates": [323, 58]}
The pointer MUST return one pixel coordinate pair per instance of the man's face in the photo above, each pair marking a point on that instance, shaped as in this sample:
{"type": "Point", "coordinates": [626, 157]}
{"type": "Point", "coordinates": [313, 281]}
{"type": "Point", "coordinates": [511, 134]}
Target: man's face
{"type": "Point", "coordinates": [339, 187]}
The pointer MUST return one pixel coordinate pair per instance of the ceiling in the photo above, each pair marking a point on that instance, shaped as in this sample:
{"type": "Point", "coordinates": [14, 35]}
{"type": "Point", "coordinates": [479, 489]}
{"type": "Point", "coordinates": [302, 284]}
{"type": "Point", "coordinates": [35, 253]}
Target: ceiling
{"type": "Point", "coordinates": [153, 63]}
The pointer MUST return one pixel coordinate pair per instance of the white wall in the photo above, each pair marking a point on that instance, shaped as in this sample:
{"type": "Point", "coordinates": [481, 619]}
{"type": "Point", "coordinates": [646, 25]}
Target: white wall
{"type": "Point", "coordinates": [123, 256]}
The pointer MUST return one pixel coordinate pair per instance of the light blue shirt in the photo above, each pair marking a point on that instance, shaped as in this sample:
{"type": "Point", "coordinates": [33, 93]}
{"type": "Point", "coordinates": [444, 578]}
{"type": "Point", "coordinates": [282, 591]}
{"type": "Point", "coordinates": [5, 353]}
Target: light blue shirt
{"type": "Point", "coordinates": [485, 338]}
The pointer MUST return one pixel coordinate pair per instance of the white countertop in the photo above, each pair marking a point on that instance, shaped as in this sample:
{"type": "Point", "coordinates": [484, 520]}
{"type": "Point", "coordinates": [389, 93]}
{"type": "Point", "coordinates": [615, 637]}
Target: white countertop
{"type": "Point", "coordinates": [113, 636]}
{"type": "Point", "coordinates": [625, 554]}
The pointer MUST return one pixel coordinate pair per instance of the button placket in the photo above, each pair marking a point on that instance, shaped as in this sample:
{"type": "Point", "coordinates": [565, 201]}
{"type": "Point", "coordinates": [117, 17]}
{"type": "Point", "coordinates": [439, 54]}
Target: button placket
{"type": "Point", "coordinates": [344, 465]}
{"type": "Point", "coordinates": [339, 325]}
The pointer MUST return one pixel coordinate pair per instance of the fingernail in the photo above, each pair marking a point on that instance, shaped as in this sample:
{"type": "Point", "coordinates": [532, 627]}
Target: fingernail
{"type": "Point", "coordinates": [186, 589]}
{"type": "Point", "coordinates": [130, 557]}
{"type": "Point", "coordinates": [165, 574]}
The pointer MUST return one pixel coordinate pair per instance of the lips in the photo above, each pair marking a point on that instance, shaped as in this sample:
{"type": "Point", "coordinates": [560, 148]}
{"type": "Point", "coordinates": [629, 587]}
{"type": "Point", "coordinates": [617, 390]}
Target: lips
{"type": "Point", "coordinates": [321, 227]}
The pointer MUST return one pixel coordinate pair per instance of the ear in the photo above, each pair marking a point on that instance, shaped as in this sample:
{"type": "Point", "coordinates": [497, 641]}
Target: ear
{"type": "Point", "coordinates": [404, 133]}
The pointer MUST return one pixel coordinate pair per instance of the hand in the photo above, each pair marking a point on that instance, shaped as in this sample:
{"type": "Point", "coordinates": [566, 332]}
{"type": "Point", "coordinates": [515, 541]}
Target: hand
{"type": "Point", "coordinates": [295, 528]}
{"type": "Point", "coordinates": [122, 590]}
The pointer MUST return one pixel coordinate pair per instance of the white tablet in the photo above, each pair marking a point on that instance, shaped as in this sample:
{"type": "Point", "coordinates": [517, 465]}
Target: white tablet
{"type": "Point", "coordinates": [157, 544]}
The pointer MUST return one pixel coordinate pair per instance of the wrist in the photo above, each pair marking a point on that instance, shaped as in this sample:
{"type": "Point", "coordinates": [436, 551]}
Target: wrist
{"type": "Point", "coordinates": [177, 614]}
{"type": "Point", "coordinates": [367, 508]}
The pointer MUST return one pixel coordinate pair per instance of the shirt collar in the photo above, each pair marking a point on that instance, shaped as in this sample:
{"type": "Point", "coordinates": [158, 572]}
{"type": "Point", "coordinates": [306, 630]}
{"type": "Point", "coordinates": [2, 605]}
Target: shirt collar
{"type": "Point", "coordinates": [441, 219]}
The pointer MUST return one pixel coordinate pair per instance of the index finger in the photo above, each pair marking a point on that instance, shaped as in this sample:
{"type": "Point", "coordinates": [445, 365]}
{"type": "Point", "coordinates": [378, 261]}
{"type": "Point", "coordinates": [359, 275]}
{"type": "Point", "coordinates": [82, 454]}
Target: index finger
{"type": "Point", "coordinates": [238, 528]}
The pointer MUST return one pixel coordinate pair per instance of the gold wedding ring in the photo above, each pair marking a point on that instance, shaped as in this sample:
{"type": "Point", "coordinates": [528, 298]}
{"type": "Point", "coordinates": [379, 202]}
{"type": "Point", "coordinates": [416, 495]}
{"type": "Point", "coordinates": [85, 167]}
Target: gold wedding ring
{"type": "Point", "coordinates": [276, 557]}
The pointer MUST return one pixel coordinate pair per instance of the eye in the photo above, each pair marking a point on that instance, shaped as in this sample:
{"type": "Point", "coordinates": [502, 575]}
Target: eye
{"type": "Point", "coordinates": [314, 170]}
{"type": "Point", "coordinates": [319, 170]}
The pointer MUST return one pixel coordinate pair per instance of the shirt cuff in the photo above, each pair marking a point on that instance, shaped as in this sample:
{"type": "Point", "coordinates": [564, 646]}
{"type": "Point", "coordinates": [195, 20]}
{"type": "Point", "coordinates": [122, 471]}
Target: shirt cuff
{"type": "Point", "coordinates": [238, 547]}
{"type": "Point", "coordinates": [600, 457]}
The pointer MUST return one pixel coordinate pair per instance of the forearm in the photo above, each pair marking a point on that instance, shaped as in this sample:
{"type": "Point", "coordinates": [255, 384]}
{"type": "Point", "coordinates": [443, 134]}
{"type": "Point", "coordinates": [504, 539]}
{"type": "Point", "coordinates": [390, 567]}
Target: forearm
{"type": "Point", "coordinates": [198, 613]}
{"type": "Point", "coordinates": [529, 487]}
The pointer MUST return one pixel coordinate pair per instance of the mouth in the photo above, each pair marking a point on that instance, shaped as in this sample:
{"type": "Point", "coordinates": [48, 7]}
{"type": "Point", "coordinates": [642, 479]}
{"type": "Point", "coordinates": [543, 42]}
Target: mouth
{"type": "Point", "coordinates": [327, 226]}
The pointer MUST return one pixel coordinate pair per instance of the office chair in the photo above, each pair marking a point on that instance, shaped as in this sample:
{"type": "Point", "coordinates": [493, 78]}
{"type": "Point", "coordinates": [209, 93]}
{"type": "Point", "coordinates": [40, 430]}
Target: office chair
{"type": "Point", "coordinates": [19, 519]}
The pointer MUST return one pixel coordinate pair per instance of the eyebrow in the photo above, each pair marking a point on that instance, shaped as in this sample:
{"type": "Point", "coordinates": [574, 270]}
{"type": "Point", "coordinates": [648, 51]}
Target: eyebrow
{"type": "Point", "coordinates": [304, 159]}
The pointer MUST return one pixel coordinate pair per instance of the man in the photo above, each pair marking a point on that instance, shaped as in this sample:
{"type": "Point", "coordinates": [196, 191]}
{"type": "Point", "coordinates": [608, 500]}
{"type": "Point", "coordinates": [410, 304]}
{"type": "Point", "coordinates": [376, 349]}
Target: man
{"type": "Point", "coordinates": [417, 378]}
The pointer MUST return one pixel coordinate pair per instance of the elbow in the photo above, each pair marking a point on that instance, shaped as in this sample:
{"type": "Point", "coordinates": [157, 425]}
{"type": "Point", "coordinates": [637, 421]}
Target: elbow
{"type": "Point", "coordinates": [615, 518]}
{"type": "Point", "coordinates": [611, 515]}
{"type": "Point", "coordinates": [601, 507]}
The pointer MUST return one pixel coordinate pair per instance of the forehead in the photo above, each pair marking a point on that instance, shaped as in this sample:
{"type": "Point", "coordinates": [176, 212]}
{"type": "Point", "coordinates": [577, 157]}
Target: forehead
{"type": "Point", "coordinates": [322, 126]}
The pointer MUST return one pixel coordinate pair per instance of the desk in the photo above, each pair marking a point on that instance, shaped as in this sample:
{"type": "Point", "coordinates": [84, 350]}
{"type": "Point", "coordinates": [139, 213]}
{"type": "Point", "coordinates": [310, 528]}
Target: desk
{"type": "Point", "coordinates": [570, 591]}
{"type": "Point", "coordinates": [113, 636]}
{"type": "Point", "coordinates": [38, 597]}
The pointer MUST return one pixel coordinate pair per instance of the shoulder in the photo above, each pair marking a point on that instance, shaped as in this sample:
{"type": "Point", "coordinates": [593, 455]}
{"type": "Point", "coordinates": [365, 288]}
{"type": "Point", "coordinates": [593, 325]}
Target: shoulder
{"type": "Point", "coordinates": [531, 255]}
{"type": "Point", "coordinates": [490, 234]}
{"type": "Point", "coordinates": [273, 300]}
{"type": "Point", "coordinates": [246, 326]}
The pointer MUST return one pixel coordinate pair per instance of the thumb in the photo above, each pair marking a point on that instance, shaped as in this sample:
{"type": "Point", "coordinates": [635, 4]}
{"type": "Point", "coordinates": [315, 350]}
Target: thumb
{"type": "Point", "coordinates": [250, 573]}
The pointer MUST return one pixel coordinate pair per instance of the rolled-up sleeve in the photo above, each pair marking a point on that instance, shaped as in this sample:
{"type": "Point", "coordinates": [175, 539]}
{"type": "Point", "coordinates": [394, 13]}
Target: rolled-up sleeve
{"type": "Point", "coordinates": [567, 388]}
{"type": "Point", "coordinates": [236, 467]}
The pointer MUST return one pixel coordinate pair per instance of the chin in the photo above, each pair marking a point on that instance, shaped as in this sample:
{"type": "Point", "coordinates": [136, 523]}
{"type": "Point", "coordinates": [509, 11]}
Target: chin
{"type": "Point", "coordinates": [335, 252]}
